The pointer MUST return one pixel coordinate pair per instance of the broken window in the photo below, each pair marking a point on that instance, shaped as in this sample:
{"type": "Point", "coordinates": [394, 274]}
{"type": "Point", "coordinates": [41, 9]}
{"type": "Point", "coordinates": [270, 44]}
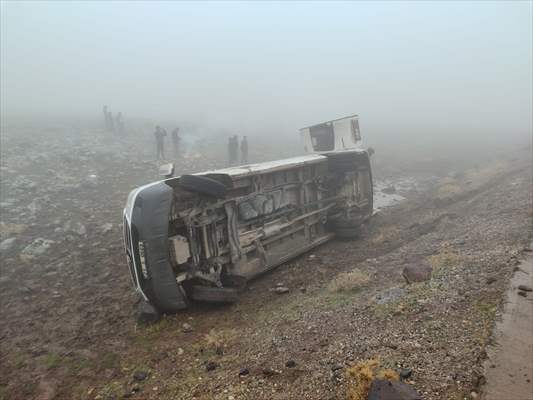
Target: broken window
{"type": "Point", "coordinates": [322, 137]}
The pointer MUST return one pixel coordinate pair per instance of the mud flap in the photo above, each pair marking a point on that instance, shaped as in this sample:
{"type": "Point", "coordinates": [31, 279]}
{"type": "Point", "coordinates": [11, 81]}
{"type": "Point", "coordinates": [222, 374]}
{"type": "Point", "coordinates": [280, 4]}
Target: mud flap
{"type": "Point", "coordinates": [150, 221]}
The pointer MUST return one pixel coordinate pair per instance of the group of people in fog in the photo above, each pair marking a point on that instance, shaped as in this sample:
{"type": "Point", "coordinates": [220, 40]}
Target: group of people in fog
{"type": "Point", "coordinates": [113, 124]}
{"type": "Point", "coordinates": [237, 152]}
{"type": "Point", "coordinates": [233, 150]}
{"type": "Point", "coordinates": [160, 134]}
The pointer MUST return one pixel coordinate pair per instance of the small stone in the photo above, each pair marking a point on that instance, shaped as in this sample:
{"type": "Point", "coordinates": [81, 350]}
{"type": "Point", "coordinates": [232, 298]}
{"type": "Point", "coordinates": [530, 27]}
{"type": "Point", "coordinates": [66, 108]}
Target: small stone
{"type": "Point", "coordinates": [525, 288]}
{"type": "Point", "coordinates": [140, 376]}
{"type": "Point", "coordinates": [303, 289]}
{"type": "Point", "coordinates": [490, 280]}
{"type": "Point", "coordinates": [406, 373]}
{"type": "Point", "coordinates": [186, 327]}
{"type": "Point", "coordinates": [280, 289]}
{"type": "Point", "coordinates": [523, 294]}
{"type": "Point", "coordinates": [268, 372]}
{"type": "Point", "coordinates": [243, 372]}
{"type": "Point", "coordinates": [7, 244]}
{"type": "Point", "coordinates": [107, 227]}
{"type": "Point", "coordinates": [211, 366]}
{"type": "Point", "coordinates": [473, 395]}
{"type": "Point", "coordinates": [336, 367]}
{"type": "Point", "coordinates": [180, 351]}
{"type": "Point", "coordinates": [290, 364]}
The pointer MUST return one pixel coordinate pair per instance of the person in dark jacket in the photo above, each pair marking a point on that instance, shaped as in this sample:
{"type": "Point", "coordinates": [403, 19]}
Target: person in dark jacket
{"type": "Point", "coordinates": [160, 142]}
{"type": "Point", "coordinates": [244, 150]}
{"type": "Point", "coordinates": [176, 142]}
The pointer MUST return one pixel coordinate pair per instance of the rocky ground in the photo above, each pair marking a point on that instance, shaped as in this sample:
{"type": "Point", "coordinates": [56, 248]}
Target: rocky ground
{"type": "Point", "coordinates": [67, 308]}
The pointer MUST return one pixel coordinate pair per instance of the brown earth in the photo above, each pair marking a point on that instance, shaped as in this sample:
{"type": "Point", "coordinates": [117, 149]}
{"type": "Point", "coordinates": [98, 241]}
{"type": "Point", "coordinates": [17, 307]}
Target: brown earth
{"type": "Point", "coordinates": [68, 329]}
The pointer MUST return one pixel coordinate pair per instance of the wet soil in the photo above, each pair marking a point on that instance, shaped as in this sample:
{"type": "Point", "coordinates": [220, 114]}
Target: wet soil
{"type": "Point", "coordinates": [67, 308]}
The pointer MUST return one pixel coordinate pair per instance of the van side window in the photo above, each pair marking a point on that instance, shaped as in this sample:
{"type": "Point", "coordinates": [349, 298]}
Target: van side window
{"type": "Point", "coordinates": [322, 137]}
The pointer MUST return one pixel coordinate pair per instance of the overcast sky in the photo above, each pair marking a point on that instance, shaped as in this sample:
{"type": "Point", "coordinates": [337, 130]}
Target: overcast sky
{"type": "Point", "coordinates": [406, 68]}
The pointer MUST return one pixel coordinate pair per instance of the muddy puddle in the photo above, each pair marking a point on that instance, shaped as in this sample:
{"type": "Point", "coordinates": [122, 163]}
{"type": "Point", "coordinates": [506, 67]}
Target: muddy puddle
{"type": "Point", "coordinates": [389, 192]}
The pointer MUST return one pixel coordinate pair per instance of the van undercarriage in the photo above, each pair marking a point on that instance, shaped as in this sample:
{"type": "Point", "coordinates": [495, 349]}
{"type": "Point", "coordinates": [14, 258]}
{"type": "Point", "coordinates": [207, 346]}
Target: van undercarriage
{"type": "Point", "coordinates": [203, 236]}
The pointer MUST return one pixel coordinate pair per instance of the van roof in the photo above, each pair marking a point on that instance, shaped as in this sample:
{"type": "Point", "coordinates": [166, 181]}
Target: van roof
{"type": "Point", "coordinates": [333, 120]}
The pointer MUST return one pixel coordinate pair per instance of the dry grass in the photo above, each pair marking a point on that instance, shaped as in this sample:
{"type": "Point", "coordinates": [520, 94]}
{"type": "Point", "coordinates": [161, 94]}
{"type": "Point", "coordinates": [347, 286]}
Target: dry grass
{"type": "Point", "coordinates": [449, 188]}
{"type": "Point", "coordinates": [218, 340]}
{"type": "Point", "coordinates": [443, 260]}
{"type": "Point", "coordinates": [349, 281]}
{"type": "Point", "coordinates": [387, 234]}
{"type": "Point", "coordinates": [359, 378]}
{"type": "Point", "coordinates": [8, 229]}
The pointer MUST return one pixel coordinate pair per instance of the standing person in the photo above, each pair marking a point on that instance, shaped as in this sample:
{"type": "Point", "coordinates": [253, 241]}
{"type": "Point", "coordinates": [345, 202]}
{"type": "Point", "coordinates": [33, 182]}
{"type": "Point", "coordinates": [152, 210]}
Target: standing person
{"type": "Point", "coordinates": [119, 123]}
{"type": "Point", "coordinates": [176, 142]}
{"type": "Point", "coordinates": [244, 150]}
{"type": "Point", "coordinates": [106, 121]}
{"type": "Point", "coordinates": [235, 150]}
{"type": "Point", "coordinates": [160, 142]}
{"type": "Point", "coordinates": [110, 122]}
{"type": "Point", "coordinates": [230, 151]}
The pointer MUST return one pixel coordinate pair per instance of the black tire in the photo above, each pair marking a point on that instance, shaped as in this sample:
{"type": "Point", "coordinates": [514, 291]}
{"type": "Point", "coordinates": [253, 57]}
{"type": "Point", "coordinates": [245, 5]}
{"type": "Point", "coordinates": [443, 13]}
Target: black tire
{"type": "Point", "coordinates": [347, 223]}
{"type": "Point", "coordinates": [347, 233]}
{"type": "Point", "coordinates": [214, 294]}
{"type": "Point", "coordinates": [201, 184]}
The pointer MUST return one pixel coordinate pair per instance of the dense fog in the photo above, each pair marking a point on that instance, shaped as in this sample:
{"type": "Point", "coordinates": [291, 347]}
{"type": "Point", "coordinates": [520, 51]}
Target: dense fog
{"type": "Point", "coordinates": [424, 72]}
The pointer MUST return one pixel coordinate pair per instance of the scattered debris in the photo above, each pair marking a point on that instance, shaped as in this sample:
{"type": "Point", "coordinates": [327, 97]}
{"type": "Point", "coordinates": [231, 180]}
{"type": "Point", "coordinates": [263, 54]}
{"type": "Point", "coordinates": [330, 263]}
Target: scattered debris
{"type": "Point", "coordinates": [280, 289]}
{"type": "Point", "coordinates": [38, 247]}
{"type": "Point", "coordinates": [490, 280]}
{"type": "Point", "coordinates": [140, 376]}
{"type": "Point", "coordinates": [337, 367]}
{"type": "Point", "coordinates": [107, 227]}
{"type": "Point", "coordinates": [390, 295]}
{"type": "Point", "coordinates": [211, 366]}
{"type": "Point", "coordinates": [290, 364]}
{"type": "Point", "coordinates": [268, 371]}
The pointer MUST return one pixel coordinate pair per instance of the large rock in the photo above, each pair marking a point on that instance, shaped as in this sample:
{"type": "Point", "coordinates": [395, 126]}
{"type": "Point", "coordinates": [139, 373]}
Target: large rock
{"type": "Point", "coordinates": [417, 273]}
{"type": "Point", "coordinates": [383, 389]}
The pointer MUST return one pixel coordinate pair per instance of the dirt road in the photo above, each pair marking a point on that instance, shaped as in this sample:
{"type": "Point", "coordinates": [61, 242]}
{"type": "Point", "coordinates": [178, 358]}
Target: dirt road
{"type": "Point", "coordinates": [67, 306]}
{"type": "Point", "coordinates": [509, 366]}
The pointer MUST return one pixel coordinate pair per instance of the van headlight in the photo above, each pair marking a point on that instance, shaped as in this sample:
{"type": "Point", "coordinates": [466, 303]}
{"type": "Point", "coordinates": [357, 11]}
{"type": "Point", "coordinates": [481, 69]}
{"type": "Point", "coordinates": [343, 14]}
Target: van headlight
{"type": "Point", "coordinates": [129, 203]}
